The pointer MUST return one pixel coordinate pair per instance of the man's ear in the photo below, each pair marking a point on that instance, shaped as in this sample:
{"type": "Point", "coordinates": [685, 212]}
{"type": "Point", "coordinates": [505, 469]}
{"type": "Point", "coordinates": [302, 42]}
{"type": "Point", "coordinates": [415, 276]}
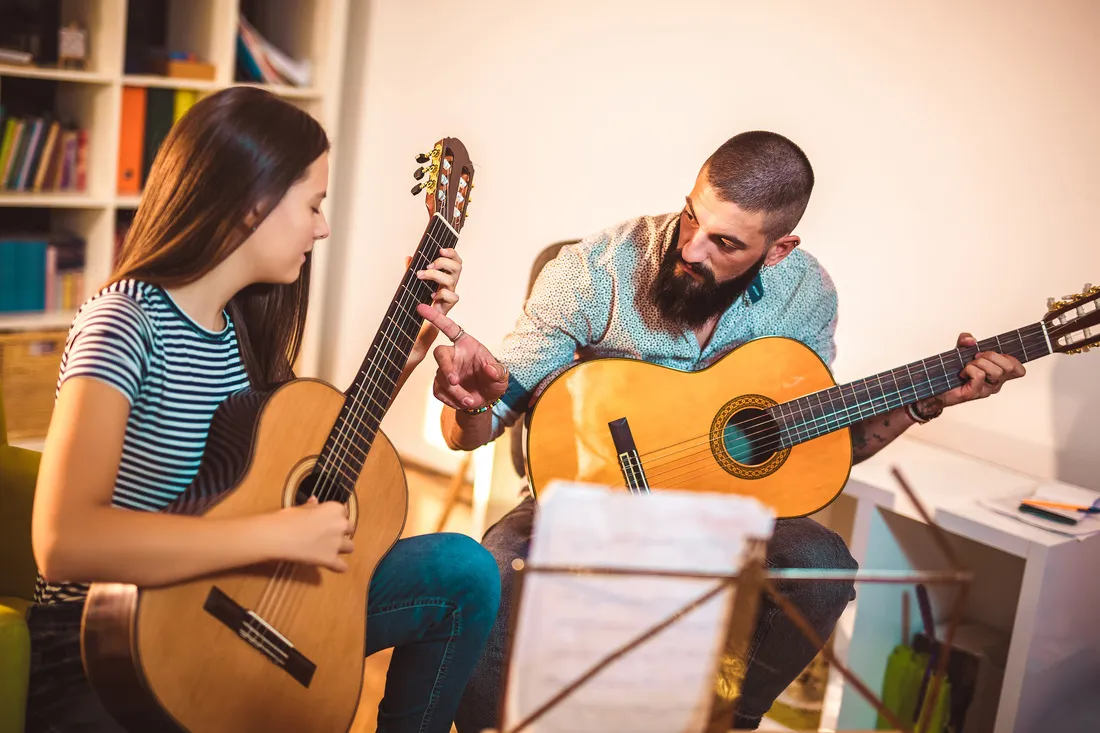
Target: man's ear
{"type": "Point", "coordinates": [781, 248]}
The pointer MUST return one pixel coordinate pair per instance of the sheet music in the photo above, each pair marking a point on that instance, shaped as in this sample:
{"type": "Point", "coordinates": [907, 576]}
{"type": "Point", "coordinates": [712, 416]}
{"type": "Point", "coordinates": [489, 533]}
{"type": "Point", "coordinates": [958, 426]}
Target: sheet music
{"type": "Point", "coordinates": [568, 623]}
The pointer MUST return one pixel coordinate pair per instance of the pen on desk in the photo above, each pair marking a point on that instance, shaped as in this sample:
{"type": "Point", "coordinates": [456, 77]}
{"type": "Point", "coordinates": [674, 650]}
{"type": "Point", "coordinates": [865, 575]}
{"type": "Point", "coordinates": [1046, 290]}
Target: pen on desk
{"type": "Point", "coordinates": [1059, 505]}
{"type": "Point", "coordinates": [1050, 516]}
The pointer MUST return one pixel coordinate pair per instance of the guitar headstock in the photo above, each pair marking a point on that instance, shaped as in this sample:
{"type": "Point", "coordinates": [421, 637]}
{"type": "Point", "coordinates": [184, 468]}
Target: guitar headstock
{"type": "Point", "coordinates": [1073, 323]}
{"type": "Point", "coordinates": [447, 175]}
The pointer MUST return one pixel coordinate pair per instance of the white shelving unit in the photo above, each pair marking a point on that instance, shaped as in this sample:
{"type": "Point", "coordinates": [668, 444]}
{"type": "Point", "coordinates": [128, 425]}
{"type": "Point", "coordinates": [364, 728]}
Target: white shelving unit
{"type": "Point", "coordinates": [1032, 593]}
{"type": "Point", "coordinates": [304, 29]}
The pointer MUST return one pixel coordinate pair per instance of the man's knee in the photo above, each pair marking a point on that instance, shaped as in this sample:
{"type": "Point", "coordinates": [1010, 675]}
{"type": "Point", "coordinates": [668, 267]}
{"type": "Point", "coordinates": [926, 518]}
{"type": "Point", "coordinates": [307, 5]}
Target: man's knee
{"type": "Point", "coordinates": [804, 543]}
{"type": "Point", "coordinates": [510, 537]}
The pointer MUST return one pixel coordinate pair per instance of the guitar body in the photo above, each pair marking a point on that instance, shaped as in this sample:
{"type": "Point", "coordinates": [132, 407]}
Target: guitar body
{"type": "Point", "coordinates": [176, 658]}
{"type": "Point", "coordinates": [679, 424]}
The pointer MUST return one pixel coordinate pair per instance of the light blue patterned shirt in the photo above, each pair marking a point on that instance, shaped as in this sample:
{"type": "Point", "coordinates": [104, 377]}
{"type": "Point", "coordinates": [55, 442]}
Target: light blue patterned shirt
{"type": "Point", "coordinates": [592, 301]}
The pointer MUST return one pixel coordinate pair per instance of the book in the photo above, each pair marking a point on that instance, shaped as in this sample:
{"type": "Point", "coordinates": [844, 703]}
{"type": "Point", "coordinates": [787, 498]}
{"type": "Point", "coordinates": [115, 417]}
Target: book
{"type": "Point", "coordinates": [41, 272]}
{"type": "Point", "coordinates": [1078, 525]}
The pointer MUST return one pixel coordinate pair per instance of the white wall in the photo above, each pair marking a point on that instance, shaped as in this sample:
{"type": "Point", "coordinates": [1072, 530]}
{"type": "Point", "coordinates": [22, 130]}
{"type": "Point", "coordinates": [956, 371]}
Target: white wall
{"type": "Point", "coordinates": [955, 147]}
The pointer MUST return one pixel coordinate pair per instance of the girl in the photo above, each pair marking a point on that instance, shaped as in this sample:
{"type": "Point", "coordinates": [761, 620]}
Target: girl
{"type": "Point", "coordinates": [209, 297]}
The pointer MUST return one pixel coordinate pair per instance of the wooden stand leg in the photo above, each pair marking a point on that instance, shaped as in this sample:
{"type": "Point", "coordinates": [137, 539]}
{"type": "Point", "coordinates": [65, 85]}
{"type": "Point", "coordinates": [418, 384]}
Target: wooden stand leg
{"type": "Point", "coordinates": [455, 490]}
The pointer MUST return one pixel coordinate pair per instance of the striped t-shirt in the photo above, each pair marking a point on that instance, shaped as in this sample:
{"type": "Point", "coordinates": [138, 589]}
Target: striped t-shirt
{"type": "Point", "coordinates": [174, 373]}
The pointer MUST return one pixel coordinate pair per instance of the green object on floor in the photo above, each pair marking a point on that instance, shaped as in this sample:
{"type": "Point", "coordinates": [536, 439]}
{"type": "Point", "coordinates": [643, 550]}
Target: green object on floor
{"type": "Point", "coordinates": [18, 472]}
{"type": "Point", "coordinates": [793, 717]}
{"type": "Point", "coordinates": [901, 687]}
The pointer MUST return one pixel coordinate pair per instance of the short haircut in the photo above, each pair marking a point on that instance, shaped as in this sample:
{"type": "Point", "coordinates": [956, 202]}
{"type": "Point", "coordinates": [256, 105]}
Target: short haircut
{"type": "Point", "coordinates": [763, 171]}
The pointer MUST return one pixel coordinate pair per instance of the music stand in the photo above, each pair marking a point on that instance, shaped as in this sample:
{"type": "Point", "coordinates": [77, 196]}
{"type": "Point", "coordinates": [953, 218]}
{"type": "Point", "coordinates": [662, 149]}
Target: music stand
{"type": "Point", "coordinates": [753, 579]}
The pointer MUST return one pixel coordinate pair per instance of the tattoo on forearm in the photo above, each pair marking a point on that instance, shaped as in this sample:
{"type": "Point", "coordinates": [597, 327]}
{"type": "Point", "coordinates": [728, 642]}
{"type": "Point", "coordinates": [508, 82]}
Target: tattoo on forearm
{"type": "Point", "coordinates": [871, 435]}
{"type": "Point", "coordinates": [859, 438]}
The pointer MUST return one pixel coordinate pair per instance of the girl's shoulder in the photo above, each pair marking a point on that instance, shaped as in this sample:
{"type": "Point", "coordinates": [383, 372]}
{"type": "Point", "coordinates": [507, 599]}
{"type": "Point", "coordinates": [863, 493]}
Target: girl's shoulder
{"type": "Point", "coordinates": [134, 306]}
{"type": "Point", "coordinates": [124, 304]}
{"type": "Point", "coordinates": [129, 295]}
{"type": "Point", "coordinates": [112, 336]}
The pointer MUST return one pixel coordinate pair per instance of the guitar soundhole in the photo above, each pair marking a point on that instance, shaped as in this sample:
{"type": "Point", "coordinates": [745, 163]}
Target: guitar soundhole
{"type": "Point", "coordinates": [751, 437]}
{"type": "Point", "coordinates": [309, 487]}
{"type": "Point", "coordinates": [306, 480]}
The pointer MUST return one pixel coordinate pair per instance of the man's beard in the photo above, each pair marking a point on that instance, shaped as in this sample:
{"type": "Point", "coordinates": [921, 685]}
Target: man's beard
{"type": "Point", "coordinates": [689, 302]}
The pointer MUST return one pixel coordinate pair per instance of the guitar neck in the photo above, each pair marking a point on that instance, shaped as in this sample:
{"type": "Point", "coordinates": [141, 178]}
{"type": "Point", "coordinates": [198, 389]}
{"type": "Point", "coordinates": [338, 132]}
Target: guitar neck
{"type": "Point", "coordinates": [839, 407]}
{"type": "Point", "coordinates": [373, 389]}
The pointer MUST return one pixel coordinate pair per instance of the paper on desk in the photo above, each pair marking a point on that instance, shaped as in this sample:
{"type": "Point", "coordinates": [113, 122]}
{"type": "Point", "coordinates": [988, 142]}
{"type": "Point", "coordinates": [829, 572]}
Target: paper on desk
{"type": "Point", "coordinates": [1087, 524]}
{"type": "Point", "coordinates": [568, 623]}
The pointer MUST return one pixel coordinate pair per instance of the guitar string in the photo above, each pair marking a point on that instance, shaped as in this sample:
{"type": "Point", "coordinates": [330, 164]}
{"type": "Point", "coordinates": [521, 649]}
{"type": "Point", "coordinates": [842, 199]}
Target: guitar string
{"type": "Point", "coordinates": [358, 408]}
{"type": "Point", "coordinates": [1035, 338]}
{"type": "Point", "coordinates": [799, 428]}
{"type": "Point", "coordinates": [344, 441]}
{"type": "Point", "coordinates": [800, 431]}
{"type": "Point", "coordinates": [769, 447]}
{"type": "Point", "coordinates": [803, 429]}
{"type": "Point", "coordinates": [916, 376]}
{"type": "Point", "coordinates": [671, 479]}
{"type": "Point", "coordinates": [325, 486]}
{"type": "Point", "coordinates": [922, 369]}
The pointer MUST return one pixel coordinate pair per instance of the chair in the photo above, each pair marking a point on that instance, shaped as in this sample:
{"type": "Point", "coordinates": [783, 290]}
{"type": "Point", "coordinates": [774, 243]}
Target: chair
{"type": "Point", "coordinates": [18, 472]}
{"type": "Point", "coordinates": [454, 492]}
{"type": "Point", "coordinates": [516, 431]}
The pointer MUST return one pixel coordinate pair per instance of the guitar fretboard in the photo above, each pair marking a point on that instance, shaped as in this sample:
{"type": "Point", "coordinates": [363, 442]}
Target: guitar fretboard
{"type": "Point", "coordinates": [838, 407]}
{"type": "Point", "coordinates": [373, 389]}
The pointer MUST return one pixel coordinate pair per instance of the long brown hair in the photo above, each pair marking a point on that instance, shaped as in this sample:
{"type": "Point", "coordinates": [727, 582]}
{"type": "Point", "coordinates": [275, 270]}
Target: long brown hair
{"type": "Point", "coordinates": [232, 155]}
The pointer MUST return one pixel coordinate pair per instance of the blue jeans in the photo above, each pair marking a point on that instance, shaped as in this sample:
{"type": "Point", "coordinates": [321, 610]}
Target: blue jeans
{"type": "Point", "coordinates": [778, 652]}
{"type": "Point", "coordinates": [433, 598]}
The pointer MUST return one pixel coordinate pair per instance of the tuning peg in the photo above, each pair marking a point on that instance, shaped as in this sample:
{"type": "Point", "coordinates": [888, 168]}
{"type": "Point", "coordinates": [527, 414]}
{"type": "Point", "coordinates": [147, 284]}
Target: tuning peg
{"type": "Point", "coordinates": [418, 187]}
{"type": "Point", "coordinates": [1088, 287]}
{"type": "Point", "coordinates": [422, 159]}
{"type": "Point", "coordinates": [418, 173]}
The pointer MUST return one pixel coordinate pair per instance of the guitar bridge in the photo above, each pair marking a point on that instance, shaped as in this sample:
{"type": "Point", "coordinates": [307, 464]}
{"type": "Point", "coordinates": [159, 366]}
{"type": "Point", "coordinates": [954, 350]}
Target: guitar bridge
{"type": "Point", "coordinates": [629, 462]}
{"type": "Point", "coordinates": [261, 635]}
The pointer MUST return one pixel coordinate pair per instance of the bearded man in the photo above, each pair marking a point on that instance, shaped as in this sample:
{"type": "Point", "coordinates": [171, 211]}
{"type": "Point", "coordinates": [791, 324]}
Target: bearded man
{"type": "Point", "coordinates": [682, 290]}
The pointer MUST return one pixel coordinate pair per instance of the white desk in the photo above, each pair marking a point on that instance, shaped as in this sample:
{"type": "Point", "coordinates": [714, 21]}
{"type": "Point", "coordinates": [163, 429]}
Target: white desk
{"type": "Point", "coordinates": [1038, 587]}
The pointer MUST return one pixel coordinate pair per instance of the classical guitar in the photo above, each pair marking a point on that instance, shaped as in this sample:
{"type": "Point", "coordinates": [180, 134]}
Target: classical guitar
{"type": "Point", "coordinates": [767, 420]}
{"type": "Point", "coordinates": [278, 646]}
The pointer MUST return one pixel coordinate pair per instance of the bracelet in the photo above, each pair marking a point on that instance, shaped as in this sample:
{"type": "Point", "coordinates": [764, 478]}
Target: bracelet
{"type": "Point", "coordinates": [483, 408]}
{"type": "Point", "coordinates": [911, 410]}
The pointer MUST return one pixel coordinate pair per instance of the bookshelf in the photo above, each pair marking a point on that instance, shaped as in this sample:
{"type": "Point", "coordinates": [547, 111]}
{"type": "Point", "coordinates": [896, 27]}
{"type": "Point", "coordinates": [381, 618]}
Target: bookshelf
{"type": "Point", "coordinates": [92, 98]}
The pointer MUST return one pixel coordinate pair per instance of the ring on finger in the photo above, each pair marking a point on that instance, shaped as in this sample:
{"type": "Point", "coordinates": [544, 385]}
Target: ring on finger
{"type": "Point", "coordinates": [991, 382]}
{"type": "Point", "coordinates": [460, 334]}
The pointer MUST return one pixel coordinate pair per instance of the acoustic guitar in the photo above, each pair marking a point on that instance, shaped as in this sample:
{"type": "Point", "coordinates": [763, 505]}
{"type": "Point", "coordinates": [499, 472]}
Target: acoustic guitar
{"type": "Point", "coordinates": [278, 646]}
{"type": "Point", "coordinates": [767, 420]}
